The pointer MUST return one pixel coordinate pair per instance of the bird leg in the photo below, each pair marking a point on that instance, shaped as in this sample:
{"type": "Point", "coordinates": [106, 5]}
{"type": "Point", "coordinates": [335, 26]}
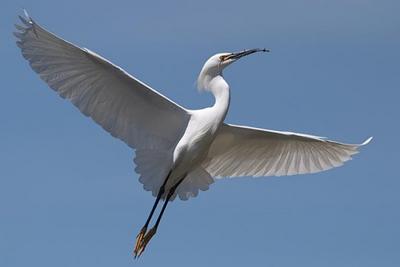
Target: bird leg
{"type": "Point", "coordinates": [141, 235]}
{"type": "Point", "coordinates": [145, 241]}
{"type": "Point", "coordinates": [139, 240]}
{"type": "Point", "coordinates": [153, 230]}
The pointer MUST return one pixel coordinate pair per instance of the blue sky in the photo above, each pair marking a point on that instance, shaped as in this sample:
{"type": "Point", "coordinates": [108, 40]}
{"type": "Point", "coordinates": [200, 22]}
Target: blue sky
{"type": "Point", "coordinates": [68, 192]}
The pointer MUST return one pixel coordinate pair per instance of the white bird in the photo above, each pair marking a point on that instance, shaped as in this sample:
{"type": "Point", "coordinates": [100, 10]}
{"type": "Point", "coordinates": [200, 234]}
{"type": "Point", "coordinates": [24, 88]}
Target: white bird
{"type": "Point", "coordinates": [178, 151]}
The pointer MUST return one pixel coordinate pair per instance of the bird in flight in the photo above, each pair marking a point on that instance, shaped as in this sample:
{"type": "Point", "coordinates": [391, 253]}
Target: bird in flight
{"type": "Point", "coordinates": [178, 151]}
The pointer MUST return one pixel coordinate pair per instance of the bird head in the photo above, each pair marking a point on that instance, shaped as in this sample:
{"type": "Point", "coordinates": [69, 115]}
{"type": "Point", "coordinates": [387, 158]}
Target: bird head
{"type": "Point", "coordinates": [215, 64]}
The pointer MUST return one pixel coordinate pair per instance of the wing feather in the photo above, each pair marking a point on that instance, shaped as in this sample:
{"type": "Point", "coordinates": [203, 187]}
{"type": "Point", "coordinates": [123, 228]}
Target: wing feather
{"type": "Point", "coordinates": [246, 151]}
{"type": "Point", "coordinates": [124, 106]}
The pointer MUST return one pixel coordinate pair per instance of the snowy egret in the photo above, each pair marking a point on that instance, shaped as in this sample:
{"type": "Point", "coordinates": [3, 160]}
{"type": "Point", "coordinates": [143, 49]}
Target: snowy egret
{"type": "Point", "coordinates": [178, 151]}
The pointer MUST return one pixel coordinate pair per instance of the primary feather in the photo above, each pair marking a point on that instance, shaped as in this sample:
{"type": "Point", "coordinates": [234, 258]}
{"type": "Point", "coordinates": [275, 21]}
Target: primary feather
{"type": "Point", "coordinates": [245, 151]}
{"type": "Point", "coordinates": [124, 106]}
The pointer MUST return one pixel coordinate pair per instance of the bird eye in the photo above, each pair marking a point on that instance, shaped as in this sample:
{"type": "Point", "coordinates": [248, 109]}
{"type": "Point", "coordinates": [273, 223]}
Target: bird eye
{"type": "Point", "coordinates": [223, 57]}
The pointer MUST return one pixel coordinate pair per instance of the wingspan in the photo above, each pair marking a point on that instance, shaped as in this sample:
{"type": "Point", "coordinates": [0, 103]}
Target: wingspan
{"type": "Point", "coordinates": [245, 151]}
{"type": "Point", "coordinates": [124, 106]}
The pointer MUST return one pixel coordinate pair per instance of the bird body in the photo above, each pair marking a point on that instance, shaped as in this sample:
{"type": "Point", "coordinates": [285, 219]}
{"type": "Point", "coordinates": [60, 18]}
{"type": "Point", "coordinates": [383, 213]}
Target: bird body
{"type": "Point", "coordinates": [193, 147]}
{"type": "Point", "coordinates": [178, 151]}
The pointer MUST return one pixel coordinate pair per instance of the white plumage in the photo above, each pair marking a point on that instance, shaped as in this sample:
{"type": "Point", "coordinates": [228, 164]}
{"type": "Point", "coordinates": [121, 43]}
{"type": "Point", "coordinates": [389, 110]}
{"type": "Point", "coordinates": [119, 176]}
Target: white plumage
{"type": "Point", "coordinates": [153, 125]}
{"type": "Point", "coordinates": [245, 151]}
{"type": "Point", "coordinates": [176, 148]}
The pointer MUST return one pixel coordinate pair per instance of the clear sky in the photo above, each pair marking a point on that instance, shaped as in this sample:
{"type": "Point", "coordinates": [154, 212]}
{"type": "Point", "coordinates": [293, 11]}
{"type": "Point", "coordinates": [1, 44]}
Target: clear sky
{"type": "Point", "coordinates": [68, 192]}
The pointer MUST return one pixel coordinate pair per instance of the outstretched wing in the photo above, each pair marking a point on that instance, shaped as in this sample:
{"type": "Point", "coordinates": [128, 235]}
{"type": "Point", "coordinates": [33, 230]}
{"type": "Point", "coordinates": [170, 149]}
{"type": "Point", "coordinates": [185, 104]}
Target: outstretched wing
{"type": "Point", "coordinates": [124, 106]}
{"type": "Point", "coordinates": [245, 151]}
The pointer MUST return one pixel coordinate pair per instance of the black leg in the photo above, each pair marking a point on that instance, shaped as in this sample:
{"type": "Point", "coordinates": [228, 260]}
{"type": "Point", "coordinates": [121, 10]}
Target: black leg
{"type": "Point", "coordinates": [159, 195]}
{"type": "Point", "coordinates": [140, 236]}
{"type": "Point", "coordinates": [170, 194]}
{"type": "Point", "coordinates": [153, 230]}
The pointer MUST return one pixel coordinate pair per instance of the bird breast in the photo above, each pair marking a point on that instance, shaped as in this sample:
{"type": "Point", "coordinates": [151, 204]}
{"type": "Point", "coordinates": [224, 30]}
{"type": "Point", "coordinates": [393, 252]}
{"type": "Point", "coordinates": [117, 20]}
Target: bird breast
{"type": "Point", "coordinates": [193, 147]}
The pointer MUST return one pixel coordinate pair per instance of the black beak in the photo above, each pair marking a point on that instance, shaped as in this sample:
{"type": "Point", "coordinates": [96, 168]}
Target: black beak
{"type": "Point", "coordinates": [246, 53]}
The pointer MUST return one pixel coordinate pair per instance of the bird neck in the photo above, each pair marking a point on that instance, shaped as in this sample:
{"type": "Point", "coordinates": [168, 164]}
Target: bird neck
{"type": "Point", "coordinates": [220, 89]}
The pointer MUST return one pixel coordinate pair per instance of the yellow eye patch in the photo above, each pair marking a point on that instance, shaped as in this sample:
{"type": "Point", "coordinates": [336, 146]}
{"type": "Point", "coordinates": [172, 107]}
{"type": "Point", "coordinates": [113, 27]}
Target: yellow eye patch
{"type": "Point", "coordinates": [223, 57]}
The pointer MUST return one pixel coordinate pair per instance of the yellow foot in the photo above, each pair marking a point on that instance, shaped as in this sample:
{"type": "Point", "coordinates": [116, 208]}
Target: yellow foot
{"type": "Point", "coordinates": [139, 241]}
{"type": "Point", "coordinates": [145, 241]}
